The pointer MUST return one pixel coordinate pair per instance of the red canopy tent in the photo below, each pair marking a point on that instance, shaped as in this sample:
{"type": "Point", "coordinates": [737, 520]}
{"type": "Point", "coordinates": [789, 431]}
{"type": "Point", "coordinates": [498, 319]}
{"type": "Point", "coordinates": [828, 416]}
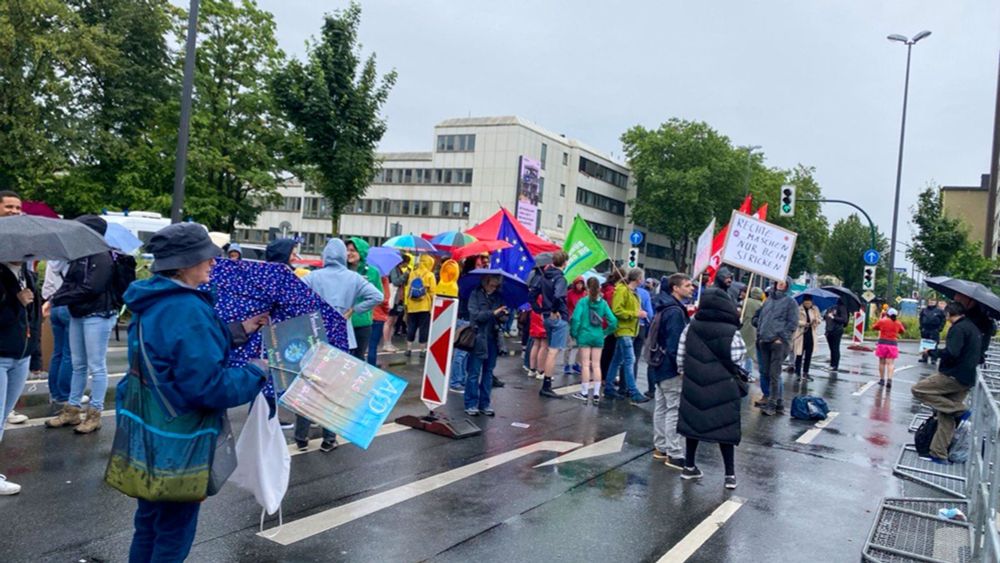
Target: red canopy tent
{"type": "Point", "coordinates": [488, 229]}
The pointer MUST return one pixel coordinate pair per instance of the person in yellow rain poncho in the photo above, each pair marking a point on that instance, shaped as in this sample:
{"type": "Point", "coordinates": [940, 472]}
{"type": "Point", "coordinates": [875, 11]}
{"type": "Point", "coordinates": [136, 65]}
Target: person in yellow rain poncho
{"type": "Point", "coordinates": [448, 279]}
{"type": "Point", "coordinates": [418, 297]}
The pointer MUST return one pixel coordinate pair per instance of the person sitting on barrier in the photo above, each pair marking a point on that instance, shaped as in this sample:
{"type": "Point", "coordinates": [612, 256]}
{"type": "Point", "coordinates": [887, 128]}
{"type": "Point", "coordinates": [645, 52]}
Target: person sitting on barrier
{"type": "Point", "coordinates": [945, 391]}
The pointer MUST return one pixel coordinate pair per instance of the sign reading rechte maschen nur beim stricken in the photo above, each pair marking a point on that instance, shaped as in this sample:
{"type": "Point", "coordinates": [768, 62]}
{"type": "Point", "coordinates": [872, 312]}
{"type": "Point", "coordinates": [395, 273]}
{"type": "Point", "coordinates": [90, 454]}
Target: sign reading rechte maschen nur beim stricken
{"type": "Point", "coordinates": [758, 246]}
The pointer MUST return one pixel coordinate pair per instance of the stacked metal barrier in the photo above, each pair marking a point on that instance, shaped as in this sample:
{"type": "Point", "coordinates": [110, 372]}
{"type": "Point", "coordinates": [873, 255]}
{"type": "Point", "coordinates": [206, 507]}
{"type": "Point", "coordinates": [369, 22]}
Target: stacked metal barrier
{"type": "Point", "coordinates": [910, 530]}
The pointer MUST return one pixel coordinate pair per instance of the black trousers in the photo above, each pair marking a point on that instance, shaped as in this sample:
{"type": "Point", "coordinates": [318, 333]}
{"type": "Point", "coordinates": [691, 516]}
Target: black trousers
{"type": "Point", "coordinates": [803, 360]}
{"type": "Point", "coordinates": [728, 455]}
{"type": "Point", "coordinates": [771, 354]}
{"type": "Point", "coordinates": [833, 339]}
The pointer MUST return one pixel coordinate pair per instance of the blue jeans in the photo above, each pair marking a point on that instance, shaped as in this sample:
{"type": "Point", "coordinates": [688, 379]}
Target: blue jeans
{"type": "Point", "coordinates": [479, 380]}
{"type": "Point", "coordinates": [164, 531]}
{"type": "Point", "coordinates": [373, 341]}
{"type": "Point", "coordinates": [61, 364]}
{"type": "Point", "coordinates": [13, 374]}
{"type": "Point", "coordinates": [301, 432]}
{"type": "Point", "coordinates": [557, 333]}
{"type": "Point", "coordinates": [459, 364]}
{"type": "Point", "coordinates": [88, 341]}
{"type": "Point", "coordinates": [625, 358]}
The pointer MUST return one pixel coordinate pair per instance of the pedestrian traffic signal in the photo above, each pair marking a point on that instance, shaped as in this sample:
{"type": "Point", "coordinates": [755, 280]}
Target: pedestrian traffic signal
{"type": "Point", "coordinates": [787, 203]}
{"type": "Point", "coordinates": [633, 257]}
{"type": "Point", "coordinates": [868, 279]}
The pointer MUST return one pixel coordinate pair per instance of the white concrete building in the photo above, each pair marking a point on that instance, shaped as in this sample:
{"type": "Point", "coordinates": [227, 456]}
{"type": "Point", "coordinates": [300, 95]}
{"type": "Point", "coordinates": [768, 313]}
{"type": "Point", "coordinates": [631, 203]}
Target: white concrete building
{"type": "Point", "coordinates": [472, 170]}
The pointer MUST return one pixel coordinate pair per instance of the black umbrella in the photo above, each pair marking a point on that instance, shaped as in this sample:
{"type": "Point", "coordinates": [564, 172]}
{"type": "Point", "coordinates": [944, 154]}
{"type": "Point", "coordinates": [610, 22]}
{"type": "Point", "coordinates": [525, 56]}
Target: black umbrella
{"type": "Point", "coordinates": [978, 292]}
{"type": "Point", "coordinates": [28, 237]}
{"type": "Point", "coordinates": [851, 301]}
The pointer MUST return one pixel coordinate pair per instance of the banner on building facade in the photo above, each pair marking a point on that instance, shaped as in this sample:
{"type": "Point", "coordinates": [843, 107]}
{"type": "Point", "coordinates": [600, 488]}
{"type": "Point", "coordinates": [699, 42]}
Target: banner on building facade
{"type": "Point", "coordinates": [529, 173]}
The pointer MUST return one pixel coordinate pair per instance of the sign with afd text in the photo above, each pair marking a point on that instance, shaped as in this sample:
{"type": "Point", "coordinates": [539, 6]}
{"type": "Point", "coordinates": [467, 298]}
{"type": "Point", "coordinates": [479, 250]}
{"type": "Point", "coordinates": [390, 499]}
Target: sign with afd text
{"type": "Point", "coordinates": [758, 246]}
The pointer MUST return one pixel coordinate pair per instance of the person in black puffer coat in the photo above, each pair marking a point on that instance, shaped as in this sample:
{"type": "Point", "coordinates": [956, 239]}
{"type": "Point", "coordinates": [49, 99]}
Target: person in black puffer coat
{"type": "Point", "coordinates": [710, 350]}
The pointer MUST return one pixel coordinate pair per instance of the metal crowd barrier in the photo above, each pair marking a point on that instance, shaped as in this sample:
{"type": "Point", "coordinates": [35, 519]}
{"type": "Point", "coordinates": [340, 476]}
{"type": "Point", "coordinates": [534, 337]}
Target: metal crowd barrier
{"type": "Point", "coordinates": [909, 529]}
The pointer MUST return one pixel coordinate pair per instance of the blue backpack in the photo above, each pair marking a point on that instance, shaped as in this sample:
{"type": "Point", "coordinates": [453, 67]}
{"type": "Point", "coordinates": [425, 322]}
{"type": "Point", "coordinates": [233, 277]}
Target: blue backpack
{"type": "Point", "coordinates": [807, 407]}
{"type": "Point", "coordinates": [417, 288]}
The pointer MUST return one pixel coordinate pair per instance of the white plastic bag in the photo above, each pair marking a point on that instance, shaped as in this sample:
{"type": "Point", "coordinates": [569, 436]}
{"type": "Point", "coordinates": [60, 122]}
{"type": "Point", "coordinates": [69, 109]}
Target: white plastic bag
{"type": "Point", "coordinates": [263, 464]}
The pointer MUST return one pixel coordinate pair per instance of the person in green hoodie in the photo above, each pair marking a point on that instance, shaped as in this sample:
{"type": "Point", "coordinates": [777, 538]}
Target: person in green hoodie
{"type": "Point", "coordinates": [357, 253]}
{"type": "Point", "coordinates": [592, 322]}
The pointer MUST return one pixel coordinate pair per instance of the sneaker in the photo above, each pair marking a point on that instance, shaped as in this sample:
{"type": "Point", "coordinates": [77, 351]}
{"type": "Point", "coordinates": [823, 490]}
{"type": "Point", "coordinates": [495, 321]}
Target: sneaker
{"type": "Point", "coordinates": [580, 396]}
{"type": "Point", "coordinates": [85, 399]}
{"type": "Point", "coordinates": [423, 354]}
{"type": "Point", "coordinates": [659, 454]}
{"type": "Point", "coordinates": [69, 416]}
{"type": "Point", "coordinates": [638, 399]}
{"type": "Point", "coordinates": [487, 412]}
{"type": "Point", "coordinates": [650, 393]}
{"type": "Point", "coordinates": [458, 389]}
{"type": "Point", "coordinates": [611, 395]}
{"type": "Point", "coordinates": [532, 374]}
{"type": "Point", "coordinates": [760, 403]}
{"type": "Point", "coordinates": [91, 423]}
{"type": "Point", "coordinates": [961, 417]}
{"type": "Point", "coordinates": [888, 384]}
{"type": "Point", "coordinates": [675, 462]}
{"type": "Point", "coordinates": [287, 425]}
{"type": "Point", "coordinates": [567, 370]}
{"type": "Point", "coordinates": [730, 481]}
{"type": "Point", "coordinates": [7, 488]}
{"type": "Point", "coordinates": [16, 418]}
{"type": "Point", "coordinates": [302, 445]}
{"type": "Point", "coordinates": [768, 411]}
{"type": "Point", "coordinates": [549, 393]}
{"type": "Point", "coordinates": [577, 369]}
{"type": "Point", "coordinates": [390, 350]}
{"type": "Point", "coordinates": [528, 371]}
{"type": "Point", "coordinates": [498, 383]}
{"type": "Point", "coordinates": [595, 399]}
{"type": "Point", "coordinates": [327, 447]}
{"type": "Point", "coordinates": [933, 459]}
{"type": "Point", "coordinates": [691, 473]}
{"type": "Point", "coordinates": [881, 382]}
{"type": "Point", "coordinates": [472, 412]}
{"type": "Point", "coordinates": [806, 378]}
{"type": "Point", "coordinates": [780, 409]}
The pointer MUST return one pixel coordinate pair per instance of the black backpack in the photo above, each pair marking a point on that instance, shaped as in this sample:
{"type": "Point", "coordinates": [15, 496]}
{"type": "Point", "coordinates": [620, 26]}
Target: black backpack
{"type": "Point", "coordinates": [535, 291]}
{"type": "Point", "coordinates": [923, 436]}
{"type": "Point", "coordinates": [122, 275]}
{"type": "Point", "coordinates": [654, 354]}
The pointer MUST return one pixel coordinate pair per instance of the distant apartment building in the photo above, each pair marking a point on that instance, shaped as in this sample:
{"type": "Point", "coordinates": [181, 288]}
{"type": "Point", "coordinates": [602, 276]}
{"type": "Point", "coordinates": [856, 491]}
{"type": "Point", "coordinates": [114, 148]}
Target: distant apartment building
{"type": "Point", "coordinates": [475, 166]}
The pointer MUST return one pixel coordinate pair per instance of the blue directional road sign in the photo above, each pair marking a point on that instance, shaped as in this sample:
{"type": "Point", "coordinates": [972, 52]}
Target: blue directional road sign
{"type": "Point", "coordinates": [871, 257]}
{"type": "Point", "coordinates": [635, 238]}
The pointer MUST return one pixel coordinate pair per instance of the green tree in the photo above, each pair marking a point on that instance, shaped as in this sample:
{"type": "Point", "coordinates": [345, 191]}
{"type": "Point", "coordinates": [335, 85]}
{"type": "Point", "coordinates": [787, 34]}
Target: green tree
{"type": "Point", "coordinates": [938, 237]}
{"type": "Point", "coordinates": [333, 100]}
{"type": "Point", "coordinates": [968, 263]}
{"type": "Point", "coordinates": [45, 51]}
{"type": "Point", "coordinates": [237, 136]}
{"type": "Point", "coordinates": [686, 173]}
{"type": "Point", "coordinates": [842, 255]}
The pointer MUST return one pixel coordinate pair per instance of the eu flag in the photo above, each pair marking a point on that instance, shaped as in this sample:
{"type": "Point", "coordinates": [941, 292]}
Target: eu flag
{"type": "Point", "coordinates": [514, 260]}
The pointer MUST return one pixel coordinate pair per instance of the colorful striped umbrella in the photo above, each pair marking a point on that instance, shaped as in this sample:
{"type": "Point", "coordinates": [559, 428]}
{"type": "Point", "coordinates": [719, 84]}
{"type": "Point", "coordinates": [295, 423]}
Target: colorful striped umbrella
{"type": "Point", "coordinates": [450, 240]}
{"type": "Point", "coordinates": [410, 242]}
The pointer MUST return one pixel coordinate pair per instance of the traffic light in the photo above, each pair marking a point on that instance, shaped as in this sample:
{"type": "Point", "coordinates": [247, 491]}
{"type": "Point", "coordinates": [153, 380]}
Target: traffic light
{"type": "Point", "coordinates": [787, 200]}
{"type": "Point", "coordinates": [633, 257]}
{"type": "Point", "coordinates": [868, 279]}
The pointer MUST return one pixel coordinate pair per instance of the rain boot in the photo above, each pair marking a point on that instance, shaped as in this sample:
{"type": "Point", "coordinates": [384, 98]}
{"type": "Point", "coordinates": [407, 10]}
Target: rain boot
{"type": "Point", "coordinates": [91, 423]}
{"type": "Point", "coordinates": [68, 416]}
{"type": "Point", "coordinates": [547, 391]}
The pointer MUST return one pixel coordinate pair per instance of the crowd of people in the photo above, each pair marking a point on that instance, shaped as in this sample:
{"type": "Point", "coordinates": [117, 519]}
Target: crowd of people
{"type": "Point", "coordinates": [699, 345]}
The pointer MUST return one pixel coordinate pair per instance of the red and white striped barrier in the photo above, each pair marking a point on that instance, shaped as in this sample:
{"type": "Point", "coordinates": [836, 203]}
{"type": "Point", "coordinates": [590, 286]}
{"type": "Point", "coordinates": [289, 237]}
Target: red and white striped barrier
{"type": "Point", "coordinates": [440, 345]}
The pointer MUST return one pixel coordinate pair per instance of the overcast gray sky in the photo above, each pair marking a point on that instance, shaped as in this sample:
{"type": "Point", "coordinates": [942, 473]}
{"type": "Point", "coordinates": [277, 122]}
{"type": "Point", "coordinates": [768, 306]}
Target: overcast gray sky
{"type": "Point", "coordinates": [812, 82]}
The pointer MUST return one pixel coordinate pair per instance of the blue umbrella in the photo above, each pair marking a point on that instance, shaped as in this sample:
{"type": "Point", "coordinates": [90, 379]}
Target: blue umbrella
{"type": "Point", "coordinates": [821, 298]}
{"type": "Point", "coordinates": [513, 291]}
{"type": "Point", "coordinates": [384, 259]}
{"type": "Point", "coordinates": [121, 238]}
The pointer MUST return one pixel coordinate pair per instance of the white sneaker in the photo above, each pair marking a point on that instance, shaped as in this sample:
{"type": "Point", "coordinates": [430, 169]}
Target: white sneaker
{"type": "Point", "coordinates": [7, 488]}
{"type": "Point", "coordinates": [16, 418]}
{"type": "Point", "coordinates": [85, 399]}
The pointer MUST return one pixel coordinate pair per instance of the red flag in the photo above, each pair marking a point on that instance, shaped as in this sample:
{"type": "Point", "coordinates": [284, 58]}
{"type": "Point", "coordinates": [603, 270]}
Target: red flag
{"type": "Point", "coordinates": [762, 212]}
{"type": "Point", "coordinates": [720, 239]}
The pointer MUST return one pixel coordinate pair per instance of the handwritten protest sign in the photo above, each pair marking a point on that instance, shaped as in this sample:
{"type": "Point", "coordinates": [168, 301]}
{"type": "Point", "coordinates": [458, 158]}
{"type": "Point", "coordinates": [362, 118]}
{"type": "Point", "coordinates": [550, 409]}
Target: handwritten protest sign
{"type": "Point", "coordinates": [704, 253]}
{"type": "Point", "coordinates": [758, 246]}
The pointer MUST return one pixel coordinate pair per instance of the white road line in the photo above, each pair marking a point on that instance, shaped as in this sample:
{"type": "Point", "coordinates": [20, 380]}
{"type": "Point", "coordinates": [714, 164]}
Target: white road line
{"type": "Point", "coordinates": [35, 422]}
{"type": "Point", "coordinates": [329, 519]}
{"type": "Point", "coordinates": [904, 368]}
{"type": "Point", "coordinates": [40, 381]}
{"type": "Point", "coordinates": [384, 430]}
{"type": "Point", "coordinates": [864, 388]}
{"type": "Point", "coordinates": [811, 434]}
{"type": "Point", "coordinates": [568, 390]}
{"type": "Point", "coordinates": [702, 532]}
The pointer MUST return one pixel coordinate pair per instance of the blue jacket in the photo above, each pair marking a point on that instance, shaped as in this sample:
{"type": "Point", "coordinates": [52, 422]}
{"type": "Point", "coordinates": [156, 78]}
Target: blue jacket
{"type": "Point", "coordinates": [188, 346]}
{"type": "Point", "coordinates": [342, 288]}
{"type": "Point", "coordinates": [646, 302]}
{"type": "Point", "coordinates": [673, 320]}
{"type": "Point", "coordinates": [481, 307]}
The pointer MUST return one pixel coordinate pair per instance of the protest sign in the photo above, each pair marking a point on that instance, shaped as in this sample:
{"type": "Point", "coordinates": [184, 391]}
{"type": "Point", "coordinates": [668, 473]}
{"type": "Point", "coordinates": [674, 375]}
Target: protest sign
{"type": "Point", "coordinates": [288, 342]}
{"type": "Point", "coordinates": [758, 246]}
{"type": "Point", "coordinates": [704, 250]}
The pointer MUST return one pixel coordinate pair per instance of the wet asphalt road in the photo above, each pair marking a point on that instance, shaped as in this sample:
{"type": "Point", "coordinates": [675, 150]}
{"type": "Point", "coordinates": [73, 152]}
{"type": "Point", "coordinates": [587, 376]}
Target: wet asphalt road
{"type": "Point", "coordinates": [795, 501]}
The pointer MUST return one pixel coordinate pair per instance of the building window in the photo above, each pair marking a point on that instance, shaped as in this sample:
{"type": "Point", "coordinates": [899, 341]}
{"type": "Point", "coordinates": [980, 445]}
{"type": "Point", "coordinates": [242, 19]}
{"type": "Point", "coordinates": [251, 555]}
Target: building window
{"type": "Point", "coordinates": [598, 201]}
{"type": "Point", "coordinates": [559, 221]}
{"type": "Point", "coordinates": [456, 143]}
{"type": "Point", "coordinates": [562, 190]}
{"type": "Point", "coordinates": [541, 189]}
{"type": "Point", "coordinates": [603, 173]}
{"type": "Point", "coordinates": [603, 232]}
{"type": "Point", "coordinates": [419, 208]}
{"type": "Point", "coordinates": [316, 208]}
{"type": "Point", "coordinates": [565, 159]}
{"type": "Point", "coordinates": [293, 204]}
{"type": "Point", "coordinates": [657, 251]}
{"type": "Point", "coordinates": [545, 150]}
{"type": "Point", "coordinates": [445, 176]}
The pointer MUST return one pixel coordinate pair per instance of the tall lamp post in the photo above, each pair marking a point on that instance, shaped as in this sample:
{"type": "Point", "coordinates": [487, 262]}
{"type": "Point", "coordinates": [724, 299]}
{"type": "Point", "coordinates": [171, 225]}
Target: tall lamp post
{"type": "Point", "coordinates": [180, 165]}
{"type": "Point", "coordinates": [909, 42]}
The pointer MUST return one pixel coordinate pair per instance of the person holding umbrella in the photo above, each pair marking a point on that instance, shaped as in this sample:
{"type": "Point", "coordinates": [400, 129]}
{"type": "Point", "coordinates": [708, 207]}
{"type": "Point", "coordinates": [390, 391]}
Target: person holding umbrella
{"type": "Point", "coordinates": [836, 319]}
{"type": "Point", "coordinates": [486, 313]}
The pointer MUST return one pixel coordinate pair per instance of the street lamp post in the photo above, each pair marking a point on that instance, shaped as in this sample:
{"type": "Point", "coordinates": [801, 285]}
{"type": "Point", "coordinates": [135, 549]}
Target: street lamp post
{"type": "Point", "coordinates": [180, 165]}
{"type": "Point", "coordinates": [899, 164]}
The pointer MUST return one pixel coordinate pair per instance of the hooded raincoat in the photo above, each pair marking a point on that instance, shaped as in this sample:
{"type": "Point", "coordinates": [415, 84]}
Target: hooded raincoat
{"type": "Point", "coordinates": [371, 274]}
{"type": "Point", "coordinates": [342, 288]}
{"type": "Point", "coordinates": [447, 285]}
{"type": "Point", "coordinates": [424, 271]}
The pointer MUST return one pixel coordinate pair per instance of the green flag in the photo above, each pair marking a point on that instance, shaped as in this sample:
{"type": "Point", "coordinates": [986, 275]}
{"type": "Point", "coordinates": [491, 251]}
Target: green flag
{"type": "Point", "coordinates": [584, 250]}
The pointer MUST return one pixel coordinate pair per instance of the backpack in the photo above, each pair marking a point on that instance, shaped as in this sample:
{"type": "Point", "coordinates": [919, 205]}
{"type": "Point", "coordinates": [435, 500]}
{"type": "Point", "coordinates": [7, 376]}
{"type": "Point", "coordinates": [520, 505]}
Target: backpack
{"type": "Point", "coordinates": [653, 353]}
{"type": "Point", "coordinates": [417, 288]}
{"type": "Point", "coordinates": [595, 318]}
{"type": "Point", "coordinates": [807, 407]}
{"type": "Point", "coordinates": [535, 291]}
{"type": "Point", "coordinates": [122, 275]}
{"type": "Point", "coordinates": [923, 436]}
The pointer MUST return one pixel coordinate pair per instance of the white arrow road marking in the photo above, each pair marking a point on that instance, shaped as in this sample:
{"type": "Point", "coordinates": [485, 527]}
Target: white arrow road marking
{"type": "Point", "coordinates": [334, 517]}
{"type": "Point", "coordinates": [607, 446]}
{"type": "Point", "coordinates": [384, 430]}
{"type": "Point", "coordinates": [698, 536]}
{"type": "Point", "coordinates": [811, 434]}
{"type": "Point", "coordinates": [864, 388]}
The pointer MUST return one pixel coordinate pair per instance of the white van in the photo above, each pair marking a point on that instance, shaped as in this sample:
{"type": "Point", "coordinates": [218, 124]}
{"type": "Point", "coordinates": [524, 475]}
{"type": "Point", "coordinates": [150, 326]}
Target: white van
{"type": "Point", "coordinates": [142, 224]}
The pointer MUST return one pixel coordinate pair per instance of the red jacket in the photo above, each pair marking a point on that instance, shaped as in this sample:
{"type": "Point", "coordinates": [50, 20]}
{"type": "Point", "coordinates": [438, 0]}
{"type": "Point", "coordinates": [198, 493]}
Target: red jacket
{"type": "Point", "coordinates": [573, 296]}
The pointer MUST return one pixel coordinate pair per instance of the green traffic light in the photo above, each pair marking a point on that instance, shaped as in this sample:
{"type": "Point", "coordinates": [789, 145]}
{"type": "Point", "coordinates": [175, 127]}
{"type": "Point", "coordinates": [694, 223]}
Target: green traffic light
{"type": "Point", "coordinates": [786, 208]}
